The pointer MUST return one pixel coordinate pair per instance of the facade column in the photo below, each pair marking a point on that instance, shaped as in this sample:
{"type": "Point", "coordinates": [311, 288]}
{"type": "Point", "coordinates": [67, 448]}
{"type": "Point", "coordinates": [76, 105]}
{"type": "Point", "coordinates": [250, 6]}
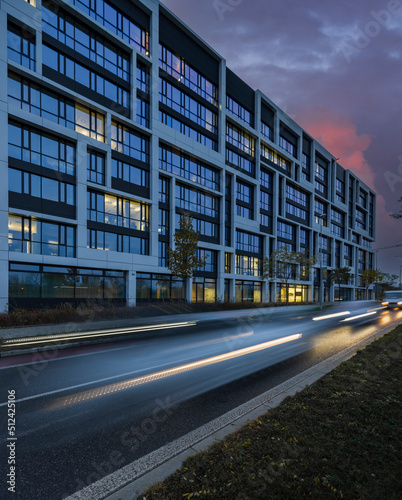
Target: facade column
{"type": "Point", "coordinates": [131, 290]}
{"type": "Point", "coordinates": [189, 290]}
{"type": "Point", "coordinates": [265, 292]}
{"type": "Point", "coordinates": [81, 196]}
{"type": "Point", "coordinates": [3, 169]}
{"type": "Point", "coordinates": [220, 281]}
{"type": "Point", "coordinates": [232, 290]}
{"type": "Point", "coordinates": [272, 287]}
{"type": "Point", "coordinates": [154, 139]}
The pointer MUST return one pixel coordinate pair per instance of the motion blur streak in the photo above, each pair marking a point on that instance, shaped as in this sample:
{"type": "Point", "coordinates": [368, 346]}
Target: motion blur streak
{"type": "Point", "coordinates": [120, 386]}
{"type": "Point", "coordinates": [100, 333]}
{"type": "Point", "coordinates": [329, 316]}
{"type": "Point", "coordinates": [360, 316]}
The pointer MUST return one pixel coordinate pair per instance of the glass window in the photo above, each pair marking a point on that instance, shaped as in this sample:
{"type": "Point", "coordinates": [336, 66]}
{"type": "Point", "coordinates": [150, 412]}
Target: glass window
{"type": "Point", "coordinates": [183, 128]}
{"type": "Point", "coordinates": [178, 163]}
{"type": "Point", "coordinates": [56, 282]}
{"type": "Point", "coordinates": [271, 155]}
{"type": "Point", "coordinates": [210, 257]}
{"type": "Point", "coordinates": [265, 201]}
{"type": "Point", "coordinates": [188, 107]}
{"type": "Point", "coordinates": [248, 242]}
{"type": "Point", "coordinates": [21, 46]}
{"type": "Point", "coordinates": [240, 111]}
{"type": "Point", "coordinates": [23, 284]}
{"type": "Point", "coordinates": [240, 139]}
{"type": "Point", "coordinates": [265, 220]}
{"type": "Point", "coordinates": [197, 201]}
{"type": "Point", "coordinates": [90, 44]}
{"type": "Point", "coordinates": [143, 78]}
{"type": "Point", "coordinates": [206, 228]}
{"type": "Point", "coordinates": [163, 190]}
{"type": "Point", "coordinates": [130, 143]}
{"type": "Point", "coordinates": [248, 266]}
{"type": "Point", "coordinates": [117, 211]}
{"type": "Point", "coordinates": [115, 20]}
{"type": "Point", "coordinates": [96, 167]}
{"type": "Point", "coordinates": [41, 187]}
{"type": "Point", "coordinates": [179, 69]}
{"type": "Point", "coordinates": [104, 240]}
{"type": "Point", "coordinates": [286, 231]}
{"type": "Point", "coordinates": [240, 162]}
{"type": "Point", "coordinates": [287, 146]}
{"type": "Point", "coordinates": [51, 106]}
{"type": "Point", "coordinates": [130, 173]}
{"type": "Point", "coordinates": [14, 180]}
{"type": "Point", "coordinates": [267, 131]}
{"type": "Point", "coordinates": [321, 172]}
{"type": "Point", "coordinates": [266, 179]}
{"type": "Point", "coordinates": [142, 112]}
{"type": "Point", "coordinates": [50, 189]}
{"type": "Point", "coordinates": [244, 192]}
{"type": "Point", "coordinates": [297, 195]}
{"type": "Point", "coordinates": [296, 211]}
{"type": "Point", "coordinates": [30, 235]}
{"type": "Point", "coordinates": [88, 78]}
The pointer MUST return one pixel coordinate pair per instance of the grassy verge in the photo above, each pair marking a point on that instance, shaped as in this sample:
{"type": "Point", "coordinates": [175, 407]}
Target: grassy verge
{"type": "Point", "coordinates": [67, 313]}
{"type": "Point", "coordinates": [339, 438]}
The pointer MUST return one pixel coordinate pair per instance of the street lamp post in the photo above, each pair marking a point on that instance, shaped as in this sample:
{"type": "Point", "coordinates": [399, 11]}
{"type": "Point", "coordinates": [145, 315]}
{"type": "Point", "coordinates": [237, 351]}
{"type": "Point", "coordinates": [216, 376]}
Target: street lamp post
{"type": "Point", "coordinates": [321, 291]}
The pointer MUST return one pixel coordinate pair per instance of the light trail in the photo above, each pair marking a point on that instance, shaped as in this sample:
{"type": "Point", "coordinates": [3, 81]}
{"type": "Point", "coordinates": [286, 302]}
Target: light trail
{"type": "Point", "coordinates": [359, 316]}
{"type": "Point", "coordinates": [329, 316]}
{"type": "Point", "coordinates": [94, 334]}
{"type": "Point", "coordinates": [120, 386]}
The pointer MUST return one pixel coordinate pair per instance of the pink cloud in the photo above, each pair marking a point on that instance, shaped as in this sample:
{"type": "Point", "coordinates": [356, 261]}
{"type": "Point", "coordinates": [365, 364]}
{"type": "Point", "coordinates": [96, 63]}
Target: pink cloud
{"type": "Point", "coordinates": [339, 135]}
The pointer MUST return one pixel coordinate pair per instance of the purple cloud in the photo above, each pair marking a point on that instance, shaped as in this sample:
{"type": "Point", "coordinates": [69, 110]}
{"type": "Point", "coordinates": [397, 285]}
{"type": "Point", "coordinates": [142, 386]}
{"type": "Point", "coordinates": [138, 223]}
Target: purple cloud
{"type": "Point", "coordinates": [322, 61]}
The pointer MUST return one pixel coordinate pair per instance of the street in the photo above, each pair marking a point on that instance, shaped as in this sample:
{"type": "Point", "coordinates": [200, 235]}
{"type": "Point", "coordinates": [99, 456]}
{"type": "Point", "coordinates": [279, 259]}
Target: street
{"type": "Point", "coordinates": [82, 413]}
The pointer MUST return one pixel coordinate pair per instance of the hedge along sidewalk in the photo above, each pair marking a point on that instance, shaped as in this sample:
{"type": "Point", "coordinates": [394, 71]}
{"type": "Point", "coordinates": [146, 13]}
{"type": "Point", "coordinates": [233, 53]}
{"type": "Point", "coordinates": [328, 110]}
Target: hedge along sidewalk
{"type": "Point", "coordinates": [336, 439]}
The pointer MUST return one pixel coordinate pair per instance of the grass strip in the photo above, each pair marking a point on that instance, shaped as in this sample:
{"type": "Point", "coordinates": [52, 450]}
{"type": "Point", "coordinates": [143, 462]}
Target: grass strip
{"type": "Point", "coordinates": [339, 438]}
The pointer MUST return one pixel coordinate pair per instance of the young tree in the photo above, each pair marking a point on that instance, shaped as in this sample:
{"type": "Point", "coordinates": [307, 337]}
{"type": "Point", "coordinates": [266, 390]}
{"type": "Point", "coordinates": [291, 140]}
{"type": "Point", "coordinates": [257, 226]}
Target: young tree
{"type": "Point", "coordinates": [389, 281]}
{"type": "Point", "coordinates": [339, 276]}
{"type": "Point", "coordinates": [286, 265]}
{"type": "Point", "coordinates": [369, 277]}
{"type": "Point", "coordinates": [184, 260]}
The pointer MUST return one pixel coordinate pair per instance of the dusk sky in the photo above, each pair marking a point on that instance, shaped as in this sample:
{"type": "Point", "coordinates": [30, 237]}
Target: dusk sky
{"type": "Point", "coordinates": [335, 67]}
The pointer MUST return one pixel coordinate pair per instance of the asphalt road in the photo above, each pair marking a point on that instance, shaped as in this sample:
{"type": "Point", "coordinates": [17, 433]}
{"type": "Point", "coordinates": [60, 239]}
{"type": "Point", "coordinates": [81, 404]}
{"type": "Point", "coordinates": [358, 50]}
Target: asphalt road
{"type": "Point", "coordinates": [83, 413]}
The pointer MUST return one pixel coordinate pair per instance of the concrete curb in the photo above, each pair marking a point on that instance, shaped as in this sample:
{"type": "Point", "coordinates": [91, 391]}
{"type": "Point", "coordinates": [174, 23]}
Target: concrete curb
{"type": "Point", "coordinates": [130, 481]}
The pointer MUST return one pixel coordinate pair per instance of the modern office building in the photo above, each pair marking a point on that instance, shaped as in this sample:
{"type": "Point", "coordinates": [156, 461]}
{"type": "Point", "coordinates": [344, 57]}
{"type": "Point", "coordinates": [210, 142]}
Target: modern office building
{"type": "Point", "coordinates": [116, 119]}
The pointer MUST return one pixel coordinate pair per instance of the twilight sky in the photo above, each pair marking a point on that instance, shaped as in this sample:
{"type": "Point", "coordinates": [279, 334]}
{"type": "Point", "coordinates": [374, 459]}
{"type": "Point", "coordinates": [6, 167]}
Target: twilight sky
{"type": "Point", "coordinates": [335, 67]}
